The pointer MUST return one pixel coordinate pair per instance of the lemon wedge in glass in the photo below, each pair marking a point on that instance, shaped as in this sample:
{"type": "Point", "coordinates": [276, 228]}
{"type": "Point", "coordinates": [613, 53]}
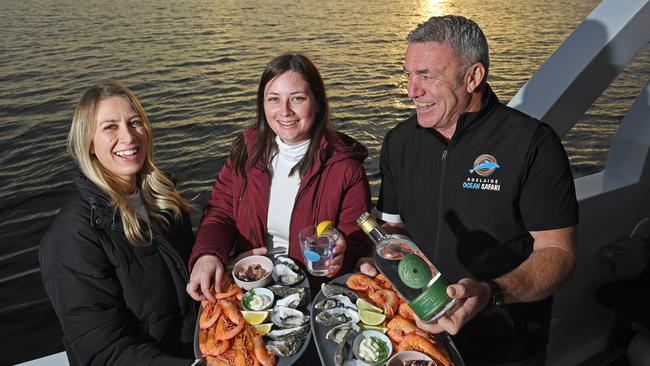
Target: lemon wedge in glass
{"type": "Point", "coordinates": [323, 226]}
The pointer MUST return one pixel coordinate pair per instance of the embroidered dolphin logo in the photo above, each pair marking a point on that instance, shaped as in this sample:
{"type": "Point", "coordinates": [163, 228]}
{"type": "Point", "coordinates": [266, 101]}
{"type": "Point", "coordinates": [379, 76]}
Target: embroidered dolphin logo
{"type": "Point", "coordinates": [484, 166]}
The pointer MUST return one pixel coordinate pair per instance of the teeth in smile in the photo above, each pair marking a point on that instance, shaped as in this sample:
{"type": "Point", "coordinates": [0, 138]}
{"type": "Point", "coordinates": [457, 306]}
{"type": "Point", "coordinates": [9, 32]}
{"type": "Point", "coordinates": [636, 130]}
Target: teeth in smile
{"type": "Point", "coordinates": [287, 123]}
{"type": "Point", "coordinates": [127, 152]}
{"type": "Point", "coordinates": [423, 105]}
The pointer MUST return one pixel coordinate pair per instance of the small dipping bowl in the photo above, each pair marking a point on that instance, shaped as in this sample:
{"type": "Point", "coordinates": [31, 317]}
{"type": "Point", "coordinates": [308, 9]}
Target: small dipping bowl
{"type": "Point", "coordinates": [260, 291]}
{"type": "Point", "coordinates": [243, 263]}
{"type": "Point", "coordinates": [399, 358]}
{"type": "Point", "coordinates": [367, 334]}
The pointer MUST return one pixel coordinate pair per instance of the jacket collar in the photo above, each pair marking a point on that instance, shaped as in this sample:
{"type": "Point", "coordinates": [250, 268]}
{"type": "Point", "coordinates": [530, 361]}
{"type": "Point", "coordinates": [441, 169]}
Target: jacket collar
{"type": "Point", "coordinates": [467, 119]}
{"type": "Point", "coordinates": [332, 149]}
{"type": "Point", "coordinates": [103, 214]}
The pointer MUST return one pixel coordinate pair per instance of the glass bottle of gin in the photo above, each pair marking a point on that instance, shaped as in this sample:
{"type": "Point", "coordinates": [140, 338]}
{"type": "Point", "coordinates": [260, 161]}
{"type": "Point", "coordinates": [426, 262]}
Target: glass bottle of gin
{"type": "Point", "coordinates": [410, 272]}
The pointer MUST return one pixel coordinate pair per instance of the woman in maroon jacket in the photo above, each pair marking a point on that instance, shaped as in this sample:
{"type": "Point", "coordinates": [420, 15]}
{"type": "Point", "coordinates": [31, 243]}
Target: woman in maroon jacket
{"type": "Point", "coordinates": [289, 171]}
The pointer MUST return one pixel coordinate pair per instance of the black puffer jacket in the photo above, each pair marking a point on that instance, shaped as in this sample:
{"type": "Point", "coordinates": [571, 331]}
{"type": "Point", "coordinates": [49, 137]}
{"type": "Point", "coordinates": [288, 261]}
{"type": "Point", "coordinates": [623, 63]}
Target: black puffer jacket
{"type": "Point", "coordinates": [118, 304]}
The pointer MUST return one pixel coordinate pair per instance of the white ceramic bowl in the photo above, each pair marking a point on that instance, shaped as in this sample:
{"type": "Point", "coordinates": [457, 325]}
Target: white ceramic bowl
{"type": "Point", "coordinates": [263, 291]}
{"type": "Point", "coordinates": [367, 334]}
{"type": "Point", "coordinates": [243, 263]}
{"type": "Point", "coordinates": [399, 358]}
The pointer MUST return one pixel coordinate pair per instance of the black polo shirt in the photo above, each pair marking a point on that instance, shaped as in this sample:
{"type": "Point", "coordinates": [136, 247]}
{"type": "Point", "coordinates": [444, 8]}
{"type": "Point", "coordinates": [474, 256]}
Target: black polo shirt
{"type": "Point", "coordinates": [470, 203]}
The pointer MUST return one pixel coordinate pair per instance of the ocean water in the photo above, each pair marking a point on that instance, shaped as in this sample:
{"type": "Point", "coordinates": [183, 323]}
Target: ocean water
{"type": "Point", "coordinates": [195, 65]}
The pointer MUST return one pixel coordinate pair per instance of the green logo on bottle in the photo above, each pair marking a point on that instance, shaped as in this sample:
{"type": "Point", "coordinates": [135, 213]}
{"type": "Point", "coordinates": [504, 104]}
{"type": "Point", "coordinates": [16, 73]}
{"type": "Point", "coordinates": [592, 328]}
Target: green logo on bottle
{"type": "Point", "coordinates": [414, 271]}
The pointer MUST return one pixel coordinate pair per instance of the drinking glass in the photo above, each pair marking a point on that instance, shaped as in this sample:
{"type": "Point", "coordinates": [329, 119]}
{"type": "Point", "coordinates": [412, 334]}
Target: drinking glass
{"type": "Point", "coordinates": [317, 250]}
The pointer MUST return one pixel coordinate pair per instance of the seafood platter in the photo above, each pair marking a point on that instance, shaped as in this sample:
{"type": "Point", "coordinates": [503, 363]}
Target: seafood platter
{"type": "Point", "coordinates": [258, 326]}
{"type": "Point", "coordinates": [360, 320]}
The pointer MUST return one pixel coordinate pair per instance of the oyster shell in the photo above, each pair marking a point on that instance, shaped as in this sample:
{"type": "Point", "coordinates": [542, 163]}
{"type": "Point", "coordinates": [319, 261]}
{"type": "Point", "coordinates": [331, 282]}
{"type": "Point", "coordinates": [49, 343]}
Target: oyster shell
{"type": "Point", "coordinates": [283, 291]}
{"type": "Point", "coordinates": [284, 275]}
{"type": "Point", "coordinates": [343, 350]}
{"type": "Point", "coordinates": [288, 333]}
{"type": "Point", "coordinates": [331, 290]}
{"type": "Point", "coordinates": [335, 301]}
{"type": "Point", "coordinates": [292, 301]}
{"type": "Point", "coordinates": [337, 316]}
{"type": "Point", "coordinates": [287, 262]}
{"type": "Point", "coordinates": [285, 317]}
{"type": "Point", "coordinates": [340, 332]}
{"type": "Point", "coordinates": [284, 348]}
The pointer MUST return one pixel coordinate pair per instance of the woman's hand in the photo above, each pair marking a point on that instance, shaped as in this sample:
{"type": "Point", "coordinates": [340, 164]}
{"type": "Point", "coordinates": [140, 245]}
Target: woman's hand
{"type": "Point", "coordinates": [335, 264]}
{"type": "Point", "coordinates": [207, 270]}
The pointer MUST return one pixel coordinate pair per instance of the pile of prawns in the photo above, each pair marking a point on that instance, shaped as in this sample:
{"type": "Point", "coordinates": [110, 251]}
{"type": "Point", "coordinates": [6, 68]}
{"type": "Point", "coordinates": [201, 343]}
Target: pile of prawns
{"type": "Point", "coordinates": [400, 319]}
{"type": "Point", "coordinates": [225, 337]}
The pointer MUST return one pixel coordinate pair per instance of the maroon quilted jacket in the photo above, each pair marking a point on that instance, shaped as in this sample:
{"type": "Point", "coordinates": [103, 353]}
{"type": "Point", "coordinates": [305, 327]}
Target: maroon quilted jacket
{"type": "Point", "coordinates": [335, 188]}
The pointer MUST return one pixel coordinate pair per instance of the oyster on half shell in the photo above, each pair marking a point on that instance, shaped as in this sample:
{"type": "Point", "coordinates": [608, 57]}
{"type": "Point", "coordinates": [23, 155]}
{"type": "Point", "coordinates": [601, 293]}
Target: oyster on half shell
{"type": "Point", "coordinates": [284, 348]}
{"type": "Point", "coordinates": [340, 332]}
{"type": "Point", "coordinates": [288, 333]}
{"type": "Point", "coordinates": [285, 317]}
{"type": "Point", "coordinates": [337, 316]}
{"type": "Point", "coordinates": [284, 275]}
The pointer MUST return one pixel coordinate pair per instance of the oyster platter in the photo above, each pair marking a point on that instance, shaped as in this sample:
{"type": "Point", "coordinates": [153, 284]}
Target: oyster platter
{"type": "Point", "coordinates": [260, 318]}
{"type": "Point", "coordinates": [360, 320]}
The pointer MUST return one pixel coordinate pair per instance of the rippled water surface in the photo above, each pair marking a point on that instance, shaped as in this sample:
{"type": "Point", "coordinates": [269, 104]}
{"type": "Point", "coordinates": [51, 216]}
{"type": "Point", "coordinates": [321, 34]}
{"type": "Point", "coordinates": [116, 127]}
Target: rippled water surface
{"type": "Point", "coordinates": [195, 65]}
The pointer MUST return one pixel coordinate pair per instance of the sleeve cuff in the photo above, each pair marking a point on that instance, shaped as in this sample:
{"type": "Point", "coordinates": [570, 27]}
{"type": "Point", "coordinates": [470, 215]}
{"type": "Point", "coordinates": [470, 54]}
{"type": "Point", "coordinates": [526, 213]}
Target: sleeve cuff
{"type": "Point", "coordinates": [390, 218]}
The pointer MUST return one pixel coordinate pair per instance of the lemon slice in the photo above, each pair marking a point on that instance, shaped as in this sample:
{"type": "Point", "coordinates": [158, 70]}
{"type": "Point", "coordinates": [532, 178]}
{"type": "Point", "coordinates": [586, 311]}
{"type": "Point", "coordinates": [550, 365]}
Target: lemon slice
{"type": "Point", "coordinates": [255, 317]}
{"type": "Point", "coordinates": [262, 329]}
{"type": "Point", "coordinates": [372, 327]}
{"type": "Point", "coordinates": [363, 304]}
{"type": "Point", "coordinates": [323, 226]}
{"type": "Point", "coordinates": [371, 317]}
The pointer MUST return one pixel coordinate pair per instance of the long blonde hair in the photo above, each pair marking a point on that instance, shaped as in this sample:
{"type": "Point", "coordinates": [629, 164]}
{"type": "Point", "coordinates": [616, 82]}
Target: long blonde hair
{"type": "Point", "coordinates": [157, 191]}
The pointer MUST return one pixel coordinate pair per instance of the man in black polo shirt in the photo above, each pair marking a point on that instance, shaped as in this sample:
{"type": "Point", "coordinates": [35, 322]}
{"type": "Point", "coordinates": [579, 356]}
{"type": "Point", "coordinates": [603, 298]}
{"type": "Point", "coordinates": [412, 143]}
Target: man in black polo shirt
{"type": "Point", "coordinates": [485, 191]}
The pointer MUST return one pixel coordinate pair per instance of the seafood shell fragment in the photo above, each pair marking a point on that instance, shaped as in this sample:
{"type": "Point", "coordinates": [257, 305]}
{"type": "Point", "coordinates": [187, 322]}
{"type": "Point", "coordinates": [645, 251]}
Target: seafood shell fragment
{"type": "Point", "coordinates": [331, 290]}
{"type": "Point", "coordinates": [337, 316]}
{"type": "Point", "coordinates": [340, 332]}
{"type": "Point", "coordinates": [292, 301]}
{"type": "Point", "coordinates": [284, 348]}
{"type": "Point", "coordinates": [284, 275]}
{"type": "Point", "coordinates": [288, 333]}
{"type": "Point", "coordinates": [285, 317]}
{"type": "Point", "coordinates": [335, 301]}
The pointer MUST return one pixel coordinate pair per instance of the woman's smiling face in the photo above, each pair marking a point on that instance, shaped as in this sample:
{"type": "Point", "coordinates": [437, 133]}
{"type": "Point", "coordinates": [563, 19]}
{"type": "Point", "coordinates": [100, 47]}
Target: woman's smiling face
{"type": "Point", "coordinates": [120, 140]}
{"type": "Point", "coordinates": [290, 107]}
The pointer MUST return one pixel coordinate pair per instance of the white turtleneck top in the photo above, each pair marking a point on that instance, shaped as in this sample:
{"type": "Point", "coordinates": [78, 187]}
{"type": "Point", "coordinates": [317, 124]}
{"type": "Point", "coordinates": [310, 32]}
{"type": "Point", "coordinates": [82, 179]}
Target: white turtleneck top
{"type": "Point", "coordinates": [283, 194]}
{"type": "Point", "coordinates": [136, 201]}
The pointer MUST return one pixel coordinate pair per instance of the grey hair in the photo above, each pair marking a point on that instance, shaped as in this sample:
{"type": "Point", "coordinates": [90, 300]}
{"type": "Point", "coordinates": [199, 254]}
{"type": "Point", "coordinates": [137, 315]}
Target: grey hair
{"type": "Point", "coordinates": [463, 35]}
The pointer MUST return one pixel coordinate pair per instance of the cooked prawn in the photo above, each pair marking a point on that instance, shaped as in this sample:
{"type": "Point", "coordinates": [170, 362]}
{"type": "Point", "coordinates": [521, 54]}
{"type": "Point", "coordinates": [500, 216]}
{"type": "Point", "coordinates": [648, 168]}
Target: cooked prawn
{"type": "Point", "coordinates": [361, 282]}
{"type": "Point", "coordinates": [230, 323]}
{"type": "Point", "coordinates": [209, 315]}
{"type": "Point", "coordinates": [265, 357]}
{"type": "Point", "coordinates": [416, 342]}
{"type": "Point", "coordinates": [383, 281]}
{"type": "Point", "coordinates": [388, 299]}
{"type": "Point", "coordinates": [398, 328]}
{"type": "Point", "coordinates": [405, 311]}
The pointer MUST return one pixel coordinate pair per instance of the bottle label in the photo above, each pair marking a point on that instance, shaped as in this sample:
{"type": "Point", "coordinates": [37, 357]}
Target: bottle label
{"type": "Point", "coordinates": [430, 302]}
{"type": "Point", "coordinates": [414, 272]}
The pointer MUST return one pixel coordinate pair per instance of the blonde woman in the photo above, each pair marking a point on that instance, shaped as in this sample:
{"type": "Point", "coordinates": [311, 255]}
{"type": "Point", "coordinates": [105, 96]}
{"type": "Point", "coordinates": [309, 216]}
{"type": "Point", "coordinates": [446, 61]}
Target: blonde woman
{"type": "Point", "coordinates": [114, 260]}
